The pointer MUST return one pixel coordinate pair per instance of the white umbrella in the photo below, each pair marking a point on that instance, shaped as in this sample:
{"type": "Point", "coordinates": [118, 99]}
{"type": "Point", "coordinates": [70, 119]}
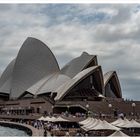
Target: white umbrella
{"type": "Point", "coordinates": [89, 123]}
{"type": "Point", "coordinates": [123, 122]}
{"type": "Point", "coordinates": [118, 134]}
{"type": "Point", "coordinates": [41, 118]}
{"type": "Point", "coordinates": [132, 124]}
{"type": "Point", "coordinates": [85, 121]}
{"type": "Point", "coordinates": [104, 125]}
{"type": "Point", "coordinates": [60, 119]}
{"type": "Point", "coordinates": [49, 119]}
{"type": "Point", "coordinates": [91, 126]}
{"type": "Point", "coordinates": [119, 120]}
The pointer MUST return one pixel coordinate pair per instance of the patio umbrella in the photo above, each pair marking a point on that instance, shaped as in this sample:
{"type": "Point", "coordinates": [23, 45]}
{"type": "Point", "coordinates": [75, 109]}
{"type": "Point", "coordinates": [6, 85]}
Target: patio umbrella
{"type": "Point", "coordinates": [118, 134]}
{"type": "Point", "coordinates": [119, 120]}
{"type": "Point", "coordinates": [89, 122]}
{"type": "Point", "coordinates": [104, 125]}
{"type": "Point", "coordinates": [132, 124]}
{"type": "Point", "coordinates": [85, 121]}
{"type": "Point", "coordinates": [60, 119]}
{"type": "Point", "coordinates": [91, 126]}
{"type": "Point", "coordinates": [122, 123]}
{"type": "Point", "coordinates": [49, 119]}
{"type": "Point", "coordinates": [41, 118]}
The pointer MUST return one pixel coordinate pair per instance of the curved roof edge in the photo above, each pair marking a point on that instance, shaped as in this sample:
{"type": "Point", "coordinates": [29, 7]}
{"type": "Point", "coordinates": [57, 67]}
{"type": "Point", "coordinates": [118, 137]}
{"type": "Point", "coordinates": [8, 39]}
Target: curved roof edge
{"type": "Point", "coordinates": [78, 64]}
{"type": "Point", "coordinates": [93, 59]}
{"type": "Point", "coordinates": [108, 76]}
{"type": "Point", "coordinates": [32, 38]}
{"type": "Point", "coordinates": [7, 73]}
{"type": "Point", "coordinates": [48, 84]}
{"type": "Point", "coordinates": [66, 87]}
{"type": "Point", "coordinates": [34, 61]}
{"type": "Point", "coordinates": [6, 78]}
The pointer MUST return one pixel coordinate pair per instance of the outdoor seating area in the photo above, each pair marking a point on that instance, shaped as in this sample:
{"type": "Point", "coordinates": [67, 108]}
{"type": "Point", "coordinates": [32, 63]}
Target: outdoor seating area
{"type": "Point", "coordinates": [59, 126]}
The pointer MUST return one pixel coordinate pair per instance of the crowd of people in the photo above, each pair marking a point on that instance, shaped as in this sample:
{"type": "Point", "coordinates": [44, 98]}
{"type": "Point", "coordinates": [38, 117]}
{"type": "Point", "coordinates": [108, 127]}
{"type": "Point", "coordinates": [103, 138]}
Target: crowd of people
{"type": "Point", "coordinates": [56, 129]}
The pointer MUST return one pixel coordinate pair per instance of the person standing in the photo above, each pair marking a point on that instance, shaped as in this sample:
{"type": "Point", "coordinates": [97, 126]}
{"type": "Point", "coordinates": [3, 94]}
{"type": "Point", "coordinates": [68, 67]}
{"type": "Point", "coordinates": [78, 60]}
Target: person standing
{"type": "Point", "coordinates": [45, 132]}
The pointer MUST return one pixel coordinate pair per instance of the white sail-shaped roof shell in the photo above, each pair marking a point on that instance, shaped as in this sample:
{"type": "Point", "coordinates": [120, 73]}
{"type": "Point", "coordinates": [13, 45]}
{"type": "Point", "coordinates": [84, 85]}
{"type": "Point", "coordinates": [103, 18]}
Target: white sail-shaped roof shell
{"type": "Point", "coordinates": [33, 62]}
{"type": "Point", "coordinates": [35, 71]}
{"type": "Point", "coordinates": [108, 77]}
{"type": "Point", "coordinates": [67, 86]}
{"type": "Point", "coordinates": [6, 78]}
{"type": "Point", "coordinates": [78, 64]}
{"type": "Point", "coordinates": [48, 84]}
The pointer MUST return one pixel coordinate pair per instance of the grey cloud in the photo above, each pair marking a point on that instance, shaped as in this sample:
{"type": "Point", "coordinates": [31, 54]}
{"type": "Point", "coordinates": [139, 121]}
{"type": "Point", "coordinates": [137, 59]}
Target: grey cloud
{"type": "Point", "coordinates": [123, 15]}
{"type": "Point", "coordinates": [130, 87]}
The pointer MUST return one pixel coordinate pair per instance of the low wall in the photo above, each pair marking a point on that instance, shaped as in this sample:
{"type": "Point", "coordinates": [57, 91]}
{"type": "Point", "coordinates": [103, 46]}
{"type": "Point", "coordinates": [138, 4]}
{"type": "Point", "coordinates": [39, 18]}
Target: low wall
{"type": "Point", "coordinates": [31, 131]}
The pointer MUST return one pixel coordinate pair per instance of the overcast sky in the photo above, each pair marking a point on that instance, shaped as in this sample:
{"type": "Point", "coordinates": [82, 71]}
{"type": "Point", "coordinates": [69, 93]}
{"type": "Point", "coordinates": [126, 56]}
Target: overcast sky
{"type": "Point", "coordinates": [112, 32]}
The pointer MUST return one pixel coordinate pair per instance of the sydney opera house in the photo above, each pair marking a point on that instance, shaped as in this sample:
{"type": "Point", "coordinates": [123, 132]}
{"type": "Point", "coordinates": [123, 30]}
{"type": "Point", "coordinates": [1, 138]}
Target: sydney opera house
{"type": "Point", "coordinates": [34, 82]}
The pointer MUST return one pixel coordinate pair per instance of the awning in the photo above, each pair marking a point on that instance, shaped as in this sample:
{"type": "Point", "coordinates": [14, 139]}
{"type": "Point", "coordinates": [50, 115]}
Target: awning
{"type": "Point", "coordinates": [85, 121]}
{"type": "Point", "coordinates": [124, 122]}
{"type": "Point", "coordinates": [50, 119]}
{"type": "Point", "coordinates": [41, 118]}
{"type": "Point", "coordinates": [60, 119]}
{"type": "Point", "coordinates": [121, 122]}
{"type": "Point", "coordinates": [104, 125]}
{"type": "Point", "coordinates": [132, 124]}
{"type": "Point", "coordinates": [91, 125]}
{"type": "Point", "coordinates": [118, 134]}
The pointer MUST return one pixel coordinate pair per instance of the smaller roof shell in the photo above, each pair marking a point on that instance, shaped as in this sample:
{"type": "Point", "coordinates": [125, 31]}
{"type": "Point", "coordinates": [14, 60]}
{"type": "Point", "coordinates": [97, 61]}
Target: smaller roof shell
{"type": "Point", "coordinates": [67, 86]}
{"type": "Point", "coordinates": [108, 76]}
{"type": "Point", "coordinates": [6, 78]}
{"type": "Point", "coordinates": [78, 64]}
{"type": "Point", "coordinates": [48, 84]}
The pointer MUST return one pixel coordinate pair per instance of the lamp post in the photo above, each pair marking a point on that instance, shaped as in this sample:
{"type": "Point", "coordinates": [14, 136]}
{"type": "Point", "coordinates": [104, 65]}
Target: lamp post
{"type": "Point", "coordinates": [19, 110]}
{"type": "Point", "coordinates": [87, 107]}
{"type": "Point", "coordinates": [133, 106]}
{"type": "Point", "coordinates": [110, 106]}
{"type": "Point", "coordinates": [52, 108]}
{"type": "Point", "coordinates": [67, 111]}
{"type": "Point", "coordinates": [68, 108]}
{"type": "Point", "coordinates": [11, 111]}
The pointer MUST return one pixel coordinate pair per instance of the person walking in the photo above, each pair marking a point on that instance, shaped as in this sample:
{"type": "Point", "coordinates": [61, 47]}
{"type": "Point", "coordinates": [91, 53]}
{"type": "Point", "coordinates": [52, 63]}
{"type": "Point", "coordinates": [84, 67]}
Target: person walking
{"type": "Point", "coordinates": [45, 132]}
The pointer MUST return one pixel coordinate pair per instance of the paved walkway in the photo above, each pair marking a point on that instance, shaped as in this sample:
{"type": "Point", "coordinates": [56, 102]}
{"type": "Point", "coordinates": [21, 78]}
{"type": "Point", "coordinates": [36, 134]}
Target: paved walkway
{"type": "Point", "coordinates": [41, 133]}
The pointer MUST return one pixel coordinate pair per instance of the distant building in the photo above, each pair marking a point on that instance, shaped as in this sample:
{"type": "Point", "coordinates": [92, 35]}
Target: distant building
{"type": "Point", "coordinates": [35, 74]}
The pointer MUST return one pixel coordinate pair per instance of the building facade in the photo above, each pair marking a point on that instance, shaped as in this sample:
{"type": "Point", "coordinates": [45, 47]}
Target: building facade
{"type": "Point", "coordinates": [34, 83]}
